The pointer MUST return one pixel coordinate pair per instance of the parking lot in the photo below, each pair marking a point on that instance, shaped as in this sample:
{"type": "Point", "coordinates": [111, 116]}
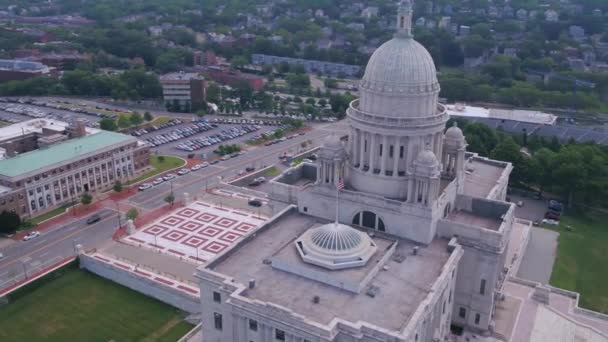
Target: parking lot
{"type": "Point", "coordinates": [17, 110]}
{"type": "Point", "coordinates": [202, 137]}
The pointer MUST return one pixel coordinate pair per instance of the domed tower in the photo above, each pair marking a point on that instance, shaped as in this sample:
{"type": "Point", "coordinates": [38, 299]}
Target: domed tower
{"type": "Point", "coordinates": [454, 148]}
{"type": "Point", "coordinates": [332, 158]}
{"type": "Point", "coordinates": [397, 114]}
{"type": "Point", "coordinates": [425, 179]}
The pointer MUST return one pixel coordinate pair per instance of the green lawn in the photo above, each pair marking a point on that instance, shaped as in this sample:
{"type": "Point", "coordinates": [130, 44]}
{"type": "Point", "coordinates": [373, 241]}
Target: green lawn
{"type": "Point", "coordinates": [48, 215]}
{"type": "Point", "coordinates": [271, 172]}
{"type": "Point", "coordinates": [80, 306]}
{"type": "Point", "coordinates": [160, 167]}
{"type": "Point", "coordinates": [581, 260]}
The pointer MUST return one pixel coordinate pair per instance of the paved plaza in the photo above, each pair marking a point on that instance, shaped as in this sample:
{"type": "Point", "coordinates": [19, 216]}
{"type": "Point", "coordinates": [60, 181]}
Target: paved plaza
{"type": "Point", "coordinates": [199, 231]}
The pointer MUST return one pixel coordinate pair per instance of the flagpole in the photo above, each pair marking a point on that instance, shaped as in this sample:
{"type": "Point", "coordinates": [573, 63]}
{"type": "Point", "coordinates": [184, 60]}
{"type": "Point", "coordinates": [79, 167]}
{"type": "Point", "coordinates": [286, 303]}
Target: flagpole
{"type": "Point", "coordinates": [337, 203]}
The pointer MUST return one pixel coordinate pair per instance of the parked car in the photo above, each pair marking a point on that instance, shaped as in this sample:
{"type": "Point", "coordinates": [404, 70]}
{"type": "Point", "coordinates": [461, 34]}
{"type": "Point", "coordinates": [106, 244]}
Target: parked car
{"type": "Point", "coordinates": [31, 235]}
{"type": "Point", "coordinates": [196, 167]}
{"type": "Point", "coordinates": [169, 176]}
{"type": "Point", "coordinates": [249, 169]}
{"type": "Point", "coordinates": [144, 186]}
{"type": "Point", "coordinates": [183, 171]}
{"type": "Point", "coordinates": [260, 179]}
{"type": "Point", "coordinates": [552, 215]}
{"type": "Point", "coordinates": [1, 256]}
{"type": "Point", "coordinates": [158, 181]}
{"type": "Point", "coordinates": [550, 222]}
{"type": "Point", "coordinates": [556, 206]}
{"type": "Point", "coordinates": [93, 218]}
{"type": "Point", "coordinates": [254, 183]}
{"type": "Point", "coordinates": [255, 203]}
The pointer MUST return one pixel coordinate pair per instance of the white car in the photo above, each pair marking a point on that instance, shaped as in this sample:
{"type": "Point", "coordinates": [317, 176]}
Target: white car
{"type": "Point", "coordinates": [31, 235]}
{"type": "Point", "coordinates": [183, 172]}
{"type": "Point", "coordinates": [204, 165]}
{"type": "Point", "coordinates": [158, 181]}
{"type": "Point", "coordinates": [1, 256]}
{"type": "Point", "coordinates": [196, 167]}
{"type": "Point", "coordinates": [260, 179]}
{"type": "Point", "coordinates": [169, 176]}
{"type": "Point", "coordinates": [144, 186]}
{"type": "Point", "coordinates": [550, 222]}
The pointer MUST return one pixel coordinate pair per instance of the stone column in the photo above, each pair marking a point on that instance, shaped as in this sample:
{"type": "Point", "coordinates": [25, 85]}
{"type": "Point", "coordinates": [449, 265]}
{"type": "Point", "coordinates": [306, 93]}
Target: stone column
{"type": "Point", "coordinates": [396, 155]}
{"type": "Point", "coordinates": [354, 147]}
{"type": "Point", "coordinates": [361, 150]}
{"type": "Point", "coordinates": [372, 153]}
{"type": "Point", "coordinates": [384, 158]}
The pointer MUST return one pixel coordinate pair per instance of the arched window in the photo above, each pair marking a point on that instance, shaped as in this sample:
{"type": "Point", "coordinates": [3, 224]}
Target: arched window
{"type": "Point", "coordinates": [33, 204]}
{"type": "Point", "coordinates": [368, 219]}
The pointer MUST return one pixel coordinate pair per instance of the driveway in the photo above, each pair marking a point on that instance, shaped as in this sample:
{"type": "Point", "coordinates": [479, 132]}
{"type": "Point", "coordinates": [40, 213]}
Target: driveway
{"type": "Point", "coordinates": [539, 256]}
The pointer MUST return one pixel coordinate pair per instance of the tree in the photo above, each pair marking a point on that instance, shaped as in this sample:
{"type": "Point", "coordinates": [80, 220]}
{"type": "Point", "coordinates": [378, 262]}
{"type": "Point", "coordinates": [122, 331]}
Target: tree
{"type": "Point", "coordinates": [118, 186]}
{"type": "Point", "coordinates": [107, 124]}
{"type": "Point", "coordinates": [310, 101]}
{"type": "Point", "coordinates": [161, 159]}
{"type": "Point", "coordinates": [132, 214]}
{"type": "Point", "coordinates": [136, 119]}
{"type": "Point", "coordinates": [170, 198]}
{"type": "Point", "coordinates": [148, 116]}
{"type": "Point", "coordinates": [10, 222]}
{"type": "Point", "coordinates": [330, 83]}
{"type": "Point", "coordinates": [123, 121]}
{"type": "Point", "coordinates": [86, 198]}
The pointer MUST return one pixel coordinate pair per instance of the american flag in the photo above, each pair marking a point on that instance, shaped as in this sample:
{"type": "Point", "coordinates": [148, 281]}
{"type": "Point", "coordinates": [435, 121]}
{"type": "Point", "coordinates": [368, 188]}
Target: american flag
{"type": "Point", "coordinates": [340, 185]}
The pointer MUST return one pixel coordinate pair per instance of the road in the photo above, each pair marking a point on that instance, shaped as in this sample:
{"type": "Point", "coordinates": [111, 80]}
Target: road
{"type": "Point", "coordinates": [26, 257]}
{"type": "Point", "coordinates": [57, 243]}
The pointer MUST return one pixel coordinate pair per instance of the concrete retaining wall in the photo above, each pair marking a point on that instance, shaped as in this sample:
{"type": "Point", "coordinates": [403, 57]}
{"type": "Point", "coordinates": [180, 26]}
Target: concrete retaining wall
{"type": "Point", "coordinates": [142, 285]}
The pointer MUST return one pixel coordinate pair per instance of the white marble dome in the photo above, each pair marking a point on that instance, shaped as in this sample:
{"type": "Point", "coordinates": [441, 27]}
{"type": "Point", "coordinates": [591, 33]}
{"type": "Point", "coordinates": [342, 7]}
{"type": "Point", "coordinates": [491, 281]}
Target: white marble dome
{"type": "Point", "coordinates": [400, 79]}
{"type": "Point", "coordinates": [332, 141]}
{"type": "Point", "coordinates": [454, 133]}
{"type": "Point", "coordinates": [426, 158]}
{"type": "Point", "coordinates": [401, 63]}
{"type": "Point", "coordinates": [335, 246]}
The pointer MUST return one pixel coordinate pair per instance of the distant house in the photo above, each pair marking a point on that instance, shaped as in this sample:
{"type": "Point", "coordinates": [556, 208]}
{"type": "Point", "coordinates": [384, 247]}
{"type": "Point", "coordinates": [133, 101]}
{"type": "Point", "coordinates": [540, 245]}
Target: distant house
{"type": "Point", "coordinates": [369, 12]}
{"type": "Point", "coordinates": [576, 32]}
{"type": "Point", "coordinates": [421, 22]}
{"type": "Point", "coordinates": [327, 68]}
{"type": "Point", "coordinates": [521, 14]}
{"type": "Point", "coordinates": [444, 23]}
{"type": "Point", "coordinates": [551, 15]}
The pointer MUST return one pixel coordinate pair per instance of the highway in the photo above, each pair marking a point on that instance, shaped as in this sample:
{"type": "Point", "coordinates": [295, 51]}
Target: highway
{"type": "Point", "coordinates": [57, 243]}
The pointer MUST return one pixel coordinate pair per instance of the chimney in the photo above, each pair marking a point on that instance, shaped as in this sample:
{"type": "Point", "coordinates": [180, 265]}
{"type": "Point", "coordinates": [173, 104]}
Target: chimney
{"type": "Point", "coordinates": [251, 283]}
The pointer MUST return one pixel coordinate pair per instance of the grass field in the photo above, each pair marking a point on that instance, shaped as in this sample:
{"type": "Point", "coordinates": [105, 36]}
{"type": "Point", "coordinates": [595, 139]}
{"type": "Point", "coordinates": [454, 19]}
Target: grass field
{"type": "Point", "coordinates": [79, 306]}
{"type": "Point", "coordinates": [160, 167]}
{"type": "Point", "coordinates": [582, 254]}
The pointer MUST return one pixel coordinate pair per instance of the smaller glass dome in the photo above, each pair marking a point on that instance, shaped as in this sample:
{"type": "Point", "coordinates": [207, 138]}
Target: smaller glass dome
{"type": "Point", "coordinates": [335, 246]}
{"type": "Point", "coordinates": [454, 133]}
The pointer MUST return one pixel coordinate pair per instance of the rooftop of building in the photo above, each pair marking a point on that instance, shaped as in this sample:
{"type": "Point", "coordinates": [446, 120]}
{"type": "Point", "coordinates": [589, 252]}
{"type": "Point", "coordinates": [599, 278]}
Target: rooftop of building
{"type": "Point", "coordinates": [35, 126]}
{"type": "Point", "coordinates": [474, 219]}
{"type": "Point", "coordinates": [400, 288]}
{"type": "Point", "coordinates": [180, 76]}
{"type": "Point", "coordinates": [24, 66]}
{"type": "Point", "coordinates": [529, 116]}
{"type": "Point", "coordinates": [482, 175]}
{"type": "Point", "coordinates": [60, 153]}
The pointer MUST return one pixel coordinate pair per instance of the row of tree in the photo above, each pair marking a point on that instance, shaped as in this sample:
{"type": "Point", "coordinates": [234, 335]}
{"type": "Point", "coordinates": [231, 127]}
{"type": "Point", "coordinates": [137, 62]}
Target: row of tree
{"type": "Point", "coordinates": [133, 84]}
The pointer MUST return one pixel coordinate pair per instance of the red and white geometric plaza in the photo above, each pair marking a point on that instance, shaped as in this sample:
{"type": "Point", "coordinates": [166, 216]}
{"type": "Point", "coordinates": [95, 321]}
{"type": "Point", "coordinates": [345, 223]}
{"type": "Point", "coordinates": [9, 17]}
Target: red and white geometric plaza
{"type": "Point", "coordinates": [200, 230]}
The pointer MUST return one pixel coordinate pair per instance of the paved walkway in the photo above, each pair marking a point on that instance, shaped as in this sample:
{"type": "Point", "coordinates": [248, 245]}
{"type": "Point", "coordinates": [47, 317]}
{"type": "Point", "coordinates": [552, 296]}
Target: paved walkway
{"type": "Point", "coordinates": [538, 259]}
{"type": "Point", "coordinates": [162, 263]}
{"type": "Point", "coordinates": [527, 320]}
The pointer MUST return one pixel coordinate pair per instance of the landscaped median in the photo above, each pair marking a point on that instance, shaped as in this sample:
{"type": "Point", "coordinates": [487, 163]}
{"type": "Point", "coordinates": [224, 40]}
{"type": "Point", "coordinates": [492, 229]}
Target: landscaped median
{"type": "Point", "coordinates": [160, 164]}
{"type": "Point", "coordinates": [74, 305]}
